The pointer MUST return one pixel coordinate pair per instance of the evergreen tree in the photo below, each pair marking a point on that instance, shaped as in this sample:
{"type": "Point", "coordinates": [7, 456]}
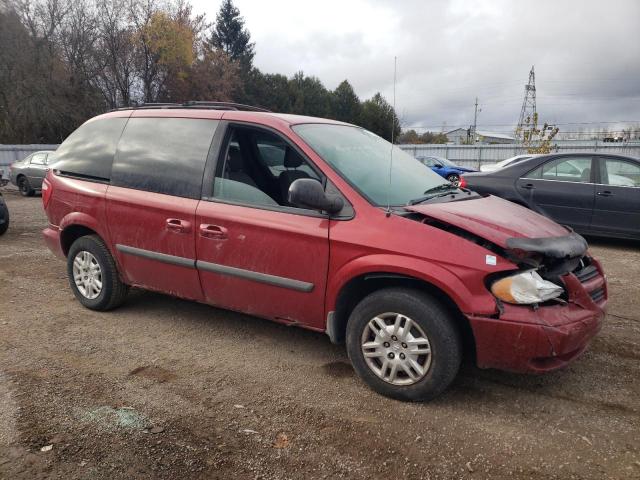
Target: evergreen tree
{"type": "Point", "coordinates": [309, 96]}
{"type": "Point", "coordinates": [346, 104]}
{"type": "Point", "coordinates": [379, 117]}
{"type": "Point", "coordinates": [230, 36]}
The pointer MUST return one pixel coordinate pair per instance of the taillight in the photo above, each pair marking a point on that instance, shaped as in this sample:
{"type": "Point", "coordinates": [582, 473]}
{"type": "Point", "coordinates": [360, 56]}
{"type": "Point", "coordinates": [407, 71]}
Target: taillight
{"type": "Point", "coordinates": [47, 190]}
{"type": "Point", "coordinates": [463, 182]}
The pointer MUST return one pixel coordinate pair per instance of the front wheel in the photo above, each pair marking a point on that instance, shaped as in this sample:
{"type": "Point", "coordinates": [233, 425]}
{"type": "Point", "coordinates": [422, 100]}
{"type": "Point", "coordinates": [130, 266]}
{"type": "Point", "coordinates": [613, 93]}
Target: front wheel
{"type": "Point", "coordinates": [25, 187]}
{"type": "Point", "coordinates": [404, 344]}
{"type": "Point", "coordinates": [93, 274]}
{"type": "Point", "coordinates": [454, 178]}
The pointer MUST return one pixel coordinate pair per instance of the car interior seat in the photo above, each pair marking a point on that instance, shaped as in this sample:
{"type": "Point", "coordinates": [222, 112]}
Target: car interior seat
{"type": "Point", "coordinates": [292, 161]}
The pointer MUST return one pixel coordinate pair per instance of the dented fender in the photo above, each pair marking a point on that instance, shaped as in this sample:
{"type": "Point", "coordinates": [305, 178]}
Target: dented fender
{"type": "Point", "coordinates": [467, 300]}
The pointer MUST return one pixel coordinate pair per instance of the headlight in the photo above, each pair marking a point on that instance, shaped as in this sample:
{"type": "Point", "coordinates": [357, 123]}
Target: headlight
{"type": "Point", "coordinates": [525, 288]}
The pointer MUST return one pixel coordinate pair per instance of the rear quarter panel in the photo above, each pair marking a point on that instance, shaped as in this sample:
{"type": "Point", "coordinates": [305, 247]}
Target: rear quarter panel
{"type": "Point", "coordinates": [77, 202]}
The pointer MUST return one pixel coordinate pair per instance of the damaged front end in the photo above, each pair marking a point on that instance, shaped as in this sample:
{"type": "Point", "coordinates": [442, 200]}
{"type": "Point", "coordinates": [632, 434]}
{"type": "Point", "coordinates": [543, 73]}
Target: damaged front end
{"type": "Point", "coordinates": [541, 336]}
{"type": "Point", "coordinates": [549, 307]}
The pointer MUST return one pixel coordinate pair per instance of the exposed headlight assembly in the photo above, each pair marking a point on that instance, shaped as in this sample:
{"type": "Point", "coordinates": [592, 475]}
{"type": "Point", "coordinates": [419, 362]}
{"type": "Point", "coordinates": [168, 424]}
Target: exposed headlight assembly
{"type": "Point", "coordinates": [525, 288]}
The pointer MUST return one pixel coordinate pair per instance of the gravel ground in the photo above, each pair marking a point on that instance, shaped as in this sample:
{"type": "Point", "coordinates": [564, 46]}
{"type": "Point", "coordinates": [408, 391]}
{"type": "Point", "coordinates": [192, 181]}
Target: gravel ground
{"type": "Point", "coordinates": [165, 388]}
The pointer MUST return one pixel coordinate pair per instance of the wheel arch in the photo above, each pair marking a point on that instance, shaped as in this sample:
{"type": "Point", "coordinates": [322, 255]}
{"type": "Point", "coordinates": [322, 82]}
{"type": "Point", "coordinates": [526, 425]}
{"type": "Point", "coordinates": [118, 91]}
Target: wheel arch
{"type": "Point", "coordinates": [76, 225]}
{"type": "Point", "coordinates": [71, 233]}
{"type": "Point", "coordinates": [358, 287]}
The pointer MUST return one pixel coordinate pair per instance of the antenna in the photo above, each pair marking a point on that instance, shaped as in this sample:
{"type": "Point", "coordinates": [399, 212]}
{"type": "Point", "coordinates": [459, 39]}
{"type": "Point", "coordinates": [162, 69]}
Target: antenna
{"type": "Point", "coordinates": [393, 127]}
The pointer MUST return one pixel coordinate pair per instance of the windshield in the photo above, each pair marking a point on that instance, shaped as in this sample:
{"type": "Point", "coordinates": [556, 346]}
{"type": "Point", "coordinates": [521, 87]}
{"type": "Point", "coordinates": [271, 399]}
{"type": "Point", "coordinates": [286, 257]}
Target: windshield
{"type": "Point", "coordinates": [511, 160]}
{"type": "Point", "coordinates": [445, 162]}
{"type": "Point", "coordinates": [362, 158]}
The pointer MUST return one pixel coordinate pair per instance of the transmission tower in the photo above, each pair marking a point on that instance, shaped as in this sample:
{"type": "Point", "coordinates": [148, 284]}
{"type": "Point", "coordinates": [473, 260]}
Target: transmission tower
{"type": "Point", "coordinates": [528, 105]}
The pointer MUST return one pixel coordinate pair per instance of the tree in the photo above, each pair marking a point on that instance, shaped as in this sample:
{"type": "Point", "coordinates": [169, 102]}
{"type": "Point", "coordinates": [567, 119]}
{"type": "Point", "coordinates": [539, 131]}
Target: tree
{"type": "Point", "coordinates": [267, 90]}
{"type": "Point", "coordinates": [309, 96]}
{"type": "Point", "coordinates": [230, 36]}
{"type": "Point", "coordinates": [537, 140]}
{"type": "Point", "coordinates": [379, 117]}
{"type": "Point", "coordinates": [346, 104]}
{"type": "Point", "coordinates": [213, 77]}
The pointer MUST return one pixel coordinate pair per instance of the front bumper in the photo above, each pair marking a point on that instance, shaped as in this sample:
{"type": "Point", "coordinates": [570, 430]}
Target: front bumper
{"type": "Point", "coordinates": [51, 236]}
{"type": "Point", "coordinates": [527, 340]}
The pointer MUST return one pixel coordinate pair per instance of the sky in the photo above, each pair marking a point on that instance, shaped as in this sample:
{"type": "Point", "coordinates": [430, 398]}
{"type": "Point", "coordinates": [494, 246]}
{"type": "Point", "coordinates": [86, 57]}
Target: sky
{"type": "Point", "coordinates": [586, 55]}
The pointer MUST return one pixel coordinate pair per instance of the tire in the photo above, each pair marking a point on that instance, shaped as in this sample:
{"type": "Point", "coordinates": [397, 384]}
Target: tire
{"type": "Point", "coordinates": [4, 217]}
{"type": "Point", "coordinates": [439, 367]}
{"type": "Point", "coordinates": [454, 178]}
{"type": "Point", "coordinates": [91, 251]}
{"type": "Point", "coordinates": [25, 187]}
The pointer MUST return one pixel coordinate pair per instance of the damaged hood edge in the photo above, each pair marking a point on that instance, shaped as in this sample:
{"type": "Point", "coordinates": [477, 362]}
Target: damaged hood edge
{"type": "Point", "coordinates": [507, 225]}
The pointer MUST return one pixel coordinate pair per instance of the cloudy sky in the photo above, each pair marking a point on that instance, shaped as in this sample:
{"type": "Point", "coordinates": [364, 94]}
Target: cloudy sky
{"type": "Point", "coordinates": [586, 55]}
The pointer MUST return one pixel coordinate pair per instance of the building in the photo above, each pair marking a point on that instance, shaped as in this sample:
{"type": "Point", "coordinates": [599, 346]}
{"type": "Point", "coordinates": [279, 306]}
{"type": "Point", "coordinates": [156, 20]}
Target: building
{"type": "Point", "coordinates": [460, 136]}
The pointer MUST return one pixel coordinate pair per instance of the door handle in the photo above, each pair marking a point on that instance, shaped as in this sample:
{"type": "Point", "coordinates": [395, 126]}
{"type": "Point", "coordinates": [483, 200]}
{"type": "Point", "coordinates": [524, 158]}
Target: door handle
{"type": "Point", "coordinates": [606, 193]}
{"type": "Point", "coordinates": [213, 231]}
{"type": "Point", "coordinates": [177, 225]}
{"type": "Point", "coordinates": [528, 186]}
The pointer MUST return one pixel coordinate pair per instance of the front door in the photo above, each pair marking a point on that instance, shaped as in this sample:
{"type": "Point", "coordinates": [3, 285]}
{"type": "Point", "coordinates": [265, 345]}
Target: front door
{"type": "Point", "coordinates": [562, 189]}
{"type": "Point", "coordinates": [256, 253]}
{"type": "Point", "coordinates": [617, 207]}
{"type": "Point", "coordinates": [151, 203]}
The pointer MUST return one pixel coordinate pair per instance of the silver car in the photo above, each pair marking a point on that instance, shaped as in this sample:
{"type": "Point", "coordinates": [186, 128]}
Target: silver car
{"type": "Point", "coordinates": [27, 174]}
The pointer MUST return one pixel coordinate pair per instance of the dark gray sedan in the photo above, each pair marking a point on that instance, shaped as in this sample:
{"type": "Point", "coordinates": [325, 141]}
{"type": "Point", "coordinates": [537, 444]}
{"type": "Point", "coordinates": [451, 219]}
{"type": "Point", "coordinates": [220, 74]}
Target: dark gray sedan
{"type": "Point", "coordinates": [593, 193]}
{"type": "Point", "coordinates": [27, 174]}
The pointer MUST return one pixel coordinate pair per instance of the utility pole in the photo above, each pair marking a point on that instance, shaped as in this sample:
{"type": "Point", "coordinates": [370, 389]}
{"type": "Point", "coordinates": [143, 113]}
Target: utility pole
{"type": "Point", "coordinates": [475, 123]}
{"type": "Point", "coordinates": [528, 110]}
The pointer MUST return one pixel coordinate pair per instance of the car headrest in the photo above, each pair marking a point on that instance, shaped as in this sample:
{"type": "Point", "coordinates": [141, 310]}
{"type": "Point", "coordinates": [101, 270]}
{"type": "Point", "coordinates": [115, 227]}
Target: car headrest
{"type": "Point", "coordinates": [291, 158]}
{"type": "Point", "coordinates": [586, 175]}
{"type": "Point", "coordinates": [234, 160]}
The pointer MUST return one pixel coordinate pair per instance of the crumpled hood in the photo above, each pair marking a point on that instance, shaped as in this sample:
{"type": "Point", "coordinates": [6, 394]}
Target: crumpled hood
{"type": "Point", "coordinates": [493, 219]}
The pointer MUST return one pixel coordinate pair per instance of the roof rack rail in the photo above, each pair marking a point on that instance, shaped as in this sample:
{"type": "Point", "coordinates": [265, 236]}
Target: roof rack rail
{"type": "Point", "coordinates": [225, 106]}
{"type": "Point", "coordinates": [195, 104]}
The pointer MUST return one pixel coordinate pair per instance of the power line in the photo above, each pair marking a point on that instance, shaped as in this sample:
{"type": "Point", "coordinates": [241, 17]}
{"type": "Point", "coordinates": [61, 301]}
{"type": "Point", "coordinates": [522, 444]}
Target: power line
{"type": "Point", "coordinates": [608, 122]}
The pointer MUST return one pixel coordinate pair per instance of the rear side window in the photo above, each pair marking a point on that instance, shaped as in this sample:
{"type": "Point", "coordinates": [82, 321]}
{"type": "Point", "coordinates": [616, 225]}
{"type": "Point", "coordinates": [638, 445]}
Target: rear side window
{"type": "Point", "coordinates": [572, 169]}
{"type": "Point", "coordinates": [164, 155]}
{"type": "Point", "coordinates": [39, 159]}
{"type": "Point", "coordinates": [88, 152]}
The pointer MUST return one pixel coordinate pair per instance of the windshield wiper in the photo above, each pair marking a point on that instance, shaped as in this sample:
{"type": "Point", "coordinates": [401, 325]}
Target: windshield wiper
{"type": "Point", "coordinates": [433, 192]}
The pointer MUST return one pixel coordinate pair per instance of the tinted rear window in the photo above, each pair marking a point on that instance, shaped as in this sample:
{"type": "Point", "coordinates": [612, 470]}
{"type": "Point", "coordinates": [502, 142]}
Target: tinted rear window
{"type": "Point", "coordinates": [164, 155]}
{"type": "Point", "coordinates": [88, 152]}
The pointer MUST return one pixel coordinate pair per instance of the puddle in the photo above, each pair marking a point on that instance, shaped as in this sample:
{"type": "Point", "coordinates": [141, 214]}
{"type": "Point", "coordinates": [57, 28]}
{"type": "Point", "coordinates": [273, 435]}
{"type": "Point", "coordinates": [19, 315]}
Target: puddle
{"type": "Point", "coordinates": [153, 372]}
{"type": "Point", "coordinates": [338, 369]}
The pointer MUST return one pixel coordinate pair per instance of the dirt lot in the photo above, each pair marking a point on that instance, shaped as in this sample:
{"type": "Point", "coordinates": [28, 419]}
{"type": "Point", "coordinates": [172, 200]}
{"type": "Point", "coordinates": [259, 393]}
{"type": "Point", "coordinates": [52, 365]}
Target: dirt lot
{"type": "Point", "coordinates": [164, 388]}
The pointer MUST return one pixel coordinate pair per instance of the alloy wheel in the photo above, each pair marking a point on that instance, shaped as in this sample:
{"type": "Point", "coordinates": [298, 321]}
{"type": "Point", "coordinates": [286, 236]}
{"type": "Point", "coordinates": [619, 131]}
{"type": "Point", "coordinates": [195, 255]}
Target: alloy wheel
{"type": "Point", "coordinates": [87, 274]}
{"type": "Point", "coordinates": [396, 349]}
{"type": "Point", "coordinates": [454, 179]}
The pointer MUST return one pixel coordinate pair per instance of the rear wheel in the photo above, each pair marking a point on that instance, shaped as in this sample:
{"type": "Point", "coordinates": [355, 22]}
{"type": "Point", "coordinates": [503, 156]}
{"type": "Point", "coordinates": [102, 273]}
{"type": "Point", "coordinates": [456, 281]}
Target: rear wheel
{"type": "Point", "coordinates": [25, 187]}
{"type": "Point", "coordinates": [454, 178]}
{"type": "Point", "coordinates": [93, 274]}
{"type": "Point", "coordinates": [404, 344]}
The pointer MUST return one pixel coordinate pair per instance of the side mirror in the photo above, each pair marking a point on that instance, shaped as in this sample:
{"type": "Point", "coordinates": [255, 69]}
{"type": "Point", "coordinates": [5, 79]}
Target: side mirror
{"type": "Point", "coordinates": [437, 165]}
{"type": "Point", "coordinates": [308, 193]}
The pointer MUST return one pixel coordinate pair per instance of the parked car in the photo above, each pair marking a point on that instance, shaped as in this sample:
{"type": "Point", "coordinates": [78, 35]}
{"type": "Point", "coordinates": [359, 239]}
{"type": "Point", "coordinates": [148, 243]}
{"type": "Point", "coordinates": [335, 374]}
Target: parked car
{"type": "Point", "coordinates": [593, 193]}
{"type": "Point", "coordinates": [27, 174]}
{"type": "Point", "coordinates": [490, 167]}
{"type": "Point", "coordinates": [4, 216]}
{"type": "Point", "coordinates": [445, 168]}
{"type": "Point", "coordinates": [287, 218]}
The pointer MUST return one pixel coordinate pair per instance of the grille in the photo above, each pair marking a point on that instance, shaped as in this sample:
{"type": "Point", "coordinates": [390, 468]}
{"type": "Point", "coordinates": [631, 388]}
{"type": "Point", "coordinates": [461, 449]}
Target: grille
{"type": "Point", "coordinates": [597, 294]}
{"type": "Point", "coordinates": [587, 271]}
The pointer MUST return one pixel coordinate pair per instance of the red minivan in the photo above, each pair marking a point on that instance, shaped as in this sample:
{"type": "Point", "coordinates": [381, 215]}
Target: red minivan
{"type": "Point", "coordinates": [324, 225]}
